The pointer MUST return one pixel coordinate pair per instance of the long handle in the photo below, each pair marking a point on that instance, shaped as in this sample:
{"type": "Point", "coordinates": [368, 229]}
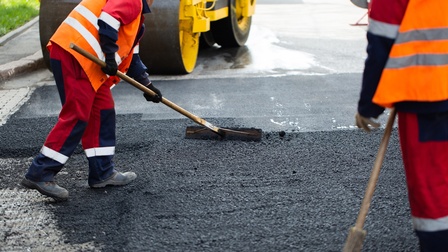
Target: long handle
{"type": "Point", "coordinates": [375, 171]}
{"type": "Point", "coordinates": [136, 84]}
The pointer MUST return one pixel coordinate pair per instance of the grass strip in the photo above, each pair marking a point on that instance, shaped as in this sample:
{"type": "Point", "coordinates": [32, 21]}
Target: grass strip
{"type": "Point", "coordinates": [15, 13]}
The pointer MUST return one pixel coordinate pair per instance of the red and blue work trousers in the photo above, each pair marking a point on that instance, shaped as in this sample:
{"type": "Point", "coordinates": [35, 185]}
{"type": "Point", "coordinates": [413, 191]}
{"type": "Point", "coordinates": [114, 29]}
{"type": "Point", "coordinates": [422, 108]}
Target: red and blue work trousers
{"type": "Point", "coordinates": [424, 145]}
{"type": "Point", "coordinates": [86, 116]}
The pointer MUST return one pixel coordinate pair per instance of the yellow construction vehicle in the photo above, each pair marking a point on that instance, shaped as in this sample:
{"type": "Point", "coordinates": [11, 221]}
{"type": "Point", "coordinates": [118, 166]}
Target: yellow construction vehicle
{"type": "Point", "coordinates": [175, 30]}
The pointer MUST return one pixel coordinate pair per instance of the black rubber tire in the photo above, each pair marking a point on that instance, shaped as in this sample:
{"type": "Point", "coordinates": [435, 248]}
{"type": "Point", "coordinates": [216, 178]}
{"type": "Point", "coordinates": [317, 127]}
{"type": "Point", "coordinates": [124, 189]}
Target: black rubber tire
{"type": "Point", "coordinates": [231, 31]}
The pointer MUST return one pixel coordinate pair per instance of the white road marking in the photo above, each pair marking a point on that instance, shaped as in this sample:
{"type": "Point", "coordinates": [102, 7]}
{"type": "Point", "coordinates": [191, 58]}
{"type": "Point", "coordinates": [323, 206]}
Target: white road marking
{"type": "Point", "coordinates": [27, 222]}
{"type": "Point", "coordinates": [11, 100]}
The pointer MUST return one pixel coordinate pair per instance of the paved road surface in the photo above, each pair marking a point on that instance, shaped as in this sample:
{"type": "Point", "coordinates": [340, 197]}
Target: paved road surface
{"type": "Point", "coordinates": [300, 192]}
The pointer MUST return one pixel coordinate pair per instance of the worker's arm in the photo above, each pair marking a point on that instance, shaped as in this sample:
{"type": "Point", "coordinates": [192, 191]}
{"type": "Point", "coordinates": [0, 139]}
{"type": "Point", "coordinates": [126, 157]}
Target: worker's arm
{"type": "Point", "coordinates": [378, 49]}
{"type": "Point", "coordinates": [377, 54]}
{"type": "Point", "coordinates": [384, 20]}
{"type": "Point", "coordinates": [108, 38]}
{"type": "Point", "coordinates": [139, 72]}
{"type": "Point", "coordinates": [115, 13]}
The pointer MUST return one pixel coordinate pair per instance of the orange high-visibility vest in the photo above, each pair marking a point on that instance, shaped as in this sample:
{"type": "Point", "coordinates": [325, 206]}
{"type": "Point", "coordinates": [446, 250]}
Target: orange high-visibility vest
{"type": "Point", "coordinates": [81, 28]}
{"type": "Point", "coordinates": [417, 68]}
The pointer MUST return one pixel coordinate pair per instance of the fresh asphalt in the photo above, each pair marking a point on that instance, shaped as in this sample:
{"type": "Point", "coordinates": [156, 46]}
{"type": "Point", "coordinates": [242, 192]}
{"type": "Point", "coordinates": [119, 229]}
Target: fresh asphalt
{"type": "Point", "coordinates": [299, 192]}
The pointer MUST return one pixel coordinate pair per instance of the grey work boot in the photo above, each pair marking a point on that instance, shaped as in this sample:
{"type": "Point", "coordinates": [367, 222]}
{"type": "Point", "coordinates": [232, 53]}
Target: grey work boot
{"type": "Point", "coordinates": [117, 179]}
{"type": "Point", "coordinates": [50, 189]}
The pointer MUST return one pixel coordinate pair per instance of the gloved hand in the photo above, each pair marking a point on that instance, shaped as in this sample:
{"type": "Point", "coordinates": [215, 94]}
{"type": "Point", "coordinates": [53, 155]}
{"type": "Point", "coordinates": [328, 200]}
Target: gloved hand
{"type": "Point", "coordinates": [111, 67]}
{"type": "Point", "coordinates": [365, 123]}
{"type": "Point", "coordinates": [156, 98]}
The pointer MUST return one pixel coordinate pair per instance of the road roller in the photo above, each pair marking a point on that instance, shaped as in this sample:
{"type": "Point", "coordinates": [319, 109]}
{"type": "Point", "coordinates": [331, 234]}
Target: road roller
{"type": "Point", "coordinates": [175, 30]}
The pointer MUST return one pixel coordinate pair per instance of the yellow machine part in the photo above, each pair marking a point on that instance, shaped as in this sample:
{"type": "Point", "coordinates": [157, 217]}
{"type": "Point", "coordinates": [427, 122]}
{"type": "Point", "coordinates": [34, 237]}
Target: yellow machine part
{"type": "Point", "coordinates": [247, 7]}
{"type": "Point", "coordinates": [195, 17]}
{"type": "Point", "coordinates": [173, 29]}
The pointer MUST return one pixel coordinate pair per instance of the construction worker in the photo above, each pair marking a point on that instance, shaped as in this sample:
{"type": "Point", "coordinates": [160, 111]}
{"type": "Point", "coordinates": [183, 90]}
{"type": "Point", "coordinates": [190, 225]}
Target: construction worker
{"type": "Point", "coordinates": [407, 68]}
{"type": "Point", "coordinates": [111, 30]}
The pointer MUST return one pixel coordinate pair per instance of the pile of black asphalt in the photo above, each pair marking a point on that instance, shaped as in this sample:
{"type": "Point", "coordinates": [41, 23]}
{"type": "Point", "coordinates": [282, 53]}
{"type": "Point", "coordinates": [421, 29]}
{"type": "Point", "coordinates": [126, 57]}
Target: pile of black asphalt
{"type": "Point", "coordinates": [299, 192]}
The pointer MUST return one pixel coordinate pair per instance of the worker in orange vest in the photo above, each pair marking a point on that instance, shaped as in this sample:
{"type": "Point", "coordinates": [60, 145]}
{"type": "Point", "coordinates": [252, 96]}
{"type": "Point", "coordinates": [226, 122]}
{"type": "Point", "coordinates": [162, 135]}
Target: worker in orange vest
{"type": "Point", "coordinates": [407, 68]}
{"type": "Point", "coordinates": [111, 30]}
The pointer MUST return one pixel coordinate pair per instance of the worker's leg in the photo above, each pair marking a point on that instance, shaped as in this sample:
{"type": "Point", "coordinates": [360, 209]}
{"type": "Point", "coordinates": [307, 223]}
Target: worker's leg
{"type": "Point", "coordinates": [424, 143]}
{"type": "Point", "coordinates": [99, 138]}
{"type": "Point", "coordinates": [99, 142]}
{"type": "Point", "coordinates": [77, 96]}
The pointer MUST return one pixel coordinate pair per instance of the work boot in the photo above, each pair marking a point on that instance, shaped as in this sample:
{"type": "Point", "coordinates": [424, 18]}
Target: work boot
{"type": "Point", "coordinates": [50, 189]}
{"type": "Point", "coordinates": [117, 179]}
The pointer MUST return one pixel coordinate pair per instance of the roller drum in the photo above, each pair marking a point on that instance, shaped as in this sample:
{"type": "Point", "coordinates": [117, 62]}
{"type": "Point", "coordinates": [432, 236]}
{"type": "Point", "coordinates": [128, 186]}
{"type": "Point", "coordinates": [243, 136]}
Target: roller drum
{"type": "Point", "coordinates": [165, 47]}
{"type": "Point", "coordinates": [51, 15]}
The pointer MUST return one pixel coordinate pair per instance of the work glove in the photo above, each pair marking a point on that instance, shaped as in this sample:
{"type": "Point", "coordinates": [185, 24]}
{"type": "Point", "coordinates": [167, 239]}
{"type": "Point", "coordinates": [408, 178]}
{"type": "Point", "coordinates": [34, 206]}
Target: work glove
{"type": "Point", "coordinates": [111, 67]}
{"type": "Point", "coordinates": [365, 123]}
{"type": "Point", "coordinates": [156, 98]}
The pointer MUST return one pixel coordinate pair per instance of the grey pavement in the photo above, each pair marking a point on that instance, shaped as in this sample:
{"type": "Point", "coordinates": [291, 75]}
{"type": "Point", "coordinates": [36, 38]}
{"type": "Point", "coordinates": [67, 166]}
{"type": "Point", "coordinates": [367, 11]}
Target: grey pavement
{"type": "Point", "coordinates": [20, 56]}
{"type": "Point", "coordinates": [20, 51]}
{"type": "Point", "coordinates": [300, 192]}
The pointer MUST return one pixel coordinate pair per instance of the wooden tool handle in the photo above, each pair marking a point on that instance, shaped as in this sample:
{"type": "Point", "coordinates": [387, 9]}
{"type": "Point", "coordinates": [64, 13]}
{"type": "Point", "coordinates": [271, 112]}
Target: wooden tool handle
{"type": "Point", "coordinates": [375, 171]}
{"type": "Point", "coordinates": [145, 89]}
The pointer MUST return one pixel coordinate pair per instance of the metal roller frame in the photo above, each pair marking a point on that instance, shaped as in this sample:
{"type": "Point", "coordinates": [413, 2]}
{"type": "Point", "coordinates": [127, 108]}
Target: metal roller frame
{"type": "Point", "coordinates": [171, 43]}
{"type": "Point", "coordinates": [233, 30]}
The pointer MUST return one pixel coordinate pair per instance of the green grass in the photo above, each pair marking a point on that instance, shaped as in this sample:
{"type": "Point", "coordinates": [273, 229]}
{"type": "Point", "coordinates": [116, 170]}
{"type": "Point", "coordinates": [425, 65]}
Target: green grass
{"type": "Point", "coordinates": [15, 13]}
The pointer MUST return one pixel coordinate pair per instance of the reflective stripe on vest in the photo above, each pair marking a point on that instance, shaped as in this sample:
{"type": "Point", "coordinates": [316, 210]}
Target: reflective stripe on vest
{"type": "Point", "coordinates": [418, 62]}
{"type": "Point", "coordinates": [81, 28]}
{"type": "Point", "coordinates": [91, 39]}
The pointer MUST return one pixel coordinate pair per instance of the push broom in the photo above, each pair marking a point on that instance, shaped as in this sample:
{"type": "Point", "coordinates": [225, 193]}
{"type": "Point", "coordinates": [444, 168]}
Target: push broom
{"type": "Point", "coordinates": [356, 235]}
{"type": "Point", "coordinates": [208, 131]}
